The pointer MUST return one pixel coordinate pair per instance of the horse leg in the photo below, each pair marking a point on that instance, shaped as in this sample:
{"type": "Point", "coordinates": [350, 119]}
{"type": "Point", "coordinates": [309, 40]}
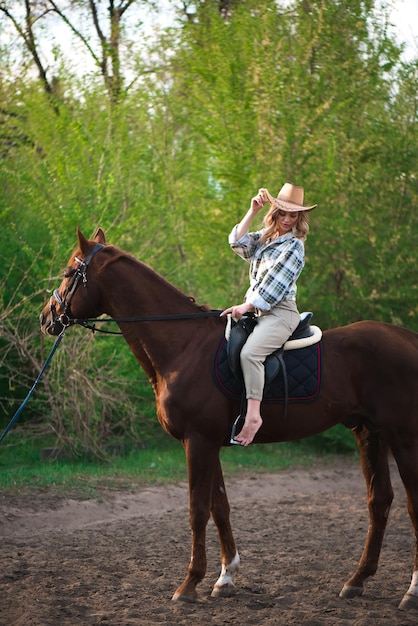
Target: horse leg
{"type": "Point", "coordinates": [375, 466]}
{"type": "Point", "coordinates": [202, 458]}
{"type": "Point", "coordinates": [405, 451]}
{"type": "Point", "coordinates": [224, 587]}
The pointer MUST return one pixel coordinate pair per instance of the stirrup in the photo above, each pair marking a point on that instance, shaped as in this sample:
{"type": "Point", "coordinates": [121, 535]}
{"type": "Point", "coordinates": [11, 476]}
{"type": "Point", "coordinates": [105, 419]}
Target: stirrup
{"type": "Point", "coordinates": [236, 429]}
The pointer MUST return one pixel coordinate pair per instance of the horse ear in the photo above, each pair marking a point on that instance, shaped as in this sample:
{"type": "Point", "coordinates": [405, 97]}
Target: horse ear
{"type": "Point", "coordinates": [99, 237]}
{"type": "Point", "coordinates": [82, 242]}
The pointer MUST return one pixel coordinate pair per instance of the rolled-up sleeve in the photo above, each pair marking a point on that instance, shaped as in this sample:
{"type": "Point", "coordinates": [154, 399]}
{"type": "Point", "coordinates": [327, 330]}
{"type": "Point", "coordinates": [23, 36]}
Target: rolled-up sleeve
{"type": "Point", "coordinates": [246, 245]}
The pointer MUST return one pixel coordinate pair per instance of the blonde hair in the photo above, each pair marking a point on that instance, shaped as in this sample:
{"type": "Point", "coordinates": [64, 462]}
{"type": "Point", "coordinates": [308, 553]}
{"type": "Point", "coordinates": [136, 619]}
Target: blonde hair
{"type": "Point", "coordinates": [271, 221]}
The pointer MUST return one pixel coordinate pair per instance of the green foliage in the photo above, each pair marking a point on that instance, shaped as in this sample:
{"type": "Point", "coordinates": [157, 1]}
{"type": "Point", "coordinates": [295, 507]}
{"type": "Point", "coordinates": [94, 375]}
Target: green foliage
{"type": "Point", "coordinates": [336, 440]}
{"type": "Point", "coordinates": [23, 467]}
{"type": "Point", "coordinates": [217, 106]}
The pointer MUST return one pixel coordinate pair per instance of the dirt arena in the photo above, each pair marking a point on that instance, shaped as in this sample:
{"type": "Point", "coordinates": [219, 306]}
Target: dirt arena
{"type": "Point", "coordinates": [117, 559]}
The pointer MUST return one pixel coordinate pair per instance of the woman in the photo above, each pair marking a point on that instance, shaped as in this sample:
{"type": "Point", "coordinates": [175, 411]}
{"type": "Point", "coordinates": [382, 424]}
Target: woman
{"type": "Point", "coordinates": [276, 255]}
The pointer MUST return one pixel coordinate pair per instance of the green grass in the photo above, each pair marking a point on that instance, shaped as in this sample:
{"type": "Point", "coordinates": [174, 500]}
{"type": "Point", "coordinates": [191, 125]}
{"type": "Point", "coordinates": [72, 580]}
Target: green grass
{"type": "Point", "coordinates": [23, 470]}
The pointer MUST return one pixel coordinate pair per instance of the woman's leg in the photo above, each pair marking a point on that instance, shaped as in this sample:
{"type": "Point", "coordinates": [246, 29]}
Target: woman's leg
{"type": "Point", "coordinates": [270, 333]}
{"type": "Point", "coordinates": [252, 423]}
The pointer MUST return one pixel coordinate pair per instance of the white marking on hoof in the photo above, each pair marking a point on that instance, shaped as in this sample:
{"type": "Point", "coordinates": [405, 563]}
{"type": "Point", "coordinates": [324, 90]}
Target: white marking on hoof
{"type": "Point", "coordinates": [410, 599]}
{"type": "Point", "coordinates": [348, 591]}
{"type": "Point", "coordinates": [409, 603]}
{"type": "Point", "coordinates": [224, 586]}
{"type": "Point", "coordinates": [413, 588]}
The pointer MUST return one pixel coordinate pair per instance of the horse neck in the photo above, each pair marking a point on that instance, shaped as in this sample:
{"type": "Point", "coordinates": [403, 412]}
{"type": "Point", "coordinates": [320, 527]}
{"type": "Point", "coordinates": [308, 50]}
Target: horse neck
{"type": "Point", "coordinates": [132, 289]}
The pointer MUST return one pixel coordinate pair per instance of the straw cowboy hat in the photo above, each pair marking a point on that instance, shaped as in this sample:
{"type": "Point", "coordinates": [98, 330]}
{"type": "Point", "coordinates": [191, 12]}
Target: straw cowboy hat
{"type": "Point", "coordinates": [290, 198]}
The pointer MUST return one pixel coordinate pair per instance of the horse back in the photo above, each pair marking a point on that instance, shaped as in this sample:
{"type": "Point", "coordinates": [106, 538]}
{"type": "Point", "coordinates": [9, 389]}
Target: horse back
{"type": "Point", "coordinates": [385, 339]}
{"type": "Point", "coordinates": [377, 357]}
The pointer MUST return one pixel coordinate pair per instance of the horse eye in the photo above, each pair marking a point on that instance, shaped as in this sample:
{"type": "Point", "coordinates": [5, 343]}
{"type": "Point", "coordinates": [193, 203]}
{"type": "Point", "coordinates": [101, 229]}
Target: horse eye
{"type": "Point", "coordinates": [70, 271]}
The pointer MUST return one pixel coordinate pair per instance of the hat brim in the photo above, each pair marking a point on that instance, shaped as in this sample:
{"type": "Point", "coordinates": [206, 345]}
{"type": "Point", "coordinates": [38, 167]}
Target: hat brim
{"type": "Point", "coordinates": [291, 207]}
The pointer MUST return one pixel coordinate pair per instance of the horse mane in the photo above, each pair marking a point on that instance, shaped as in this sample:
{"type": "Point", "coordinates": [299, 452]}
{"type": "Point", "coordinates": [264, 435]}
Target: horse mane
{"type": "Point", "coordinates": [119, 254]}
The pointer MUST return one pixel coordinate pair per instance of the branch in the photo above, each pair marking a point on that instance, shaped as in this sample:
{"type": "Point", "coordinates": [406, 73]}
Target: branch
{"type": "Point", "coordinates": [74, 31]}
{"type": "Point", "coordinates": [123, 7]}
{"type": "Point", "coordinates": [29, 40]}
{"type": "Point", "coordinates": [31, 44]}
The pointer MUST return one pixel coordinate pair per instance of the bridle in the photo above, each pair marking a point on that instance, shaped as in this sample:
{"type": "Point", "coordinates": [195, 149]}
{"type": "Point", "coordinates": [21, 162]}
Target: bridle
{"type": "Point", "coordinates": [80, 276]}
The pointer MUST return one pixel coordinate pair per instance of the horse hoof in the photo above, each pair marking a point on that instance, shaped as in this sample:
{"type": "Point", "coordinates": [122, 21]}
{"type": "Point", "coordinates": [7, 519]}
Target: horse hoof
{"type": "Point", "coordinates": [184, 597]}
{"type": "Point", "coordinates": [409, 602]}
{"type": "Point", "coordinates": [223, 591]}
{"type": "Point", "coordinates": [349, 591]}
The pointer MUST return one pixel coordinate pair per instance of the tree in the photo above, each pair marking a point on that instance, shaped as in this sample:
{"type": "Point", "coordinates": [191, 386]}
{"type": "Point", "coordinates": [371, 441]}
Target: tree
{"type": "Point", "coordinates": [30, 18]}
{"type": "Point", "coordinates": [164, 153]}
{"type": "Point", "coordinates": [305, 93]}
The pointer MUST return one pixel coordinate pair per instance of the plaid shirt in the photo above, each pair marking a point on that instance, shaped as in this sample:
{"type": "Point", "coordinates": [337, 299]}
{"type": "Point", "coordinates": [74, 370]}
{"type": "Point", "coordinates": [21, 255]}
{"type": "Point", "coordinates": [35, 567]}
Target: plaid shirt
{"type": "Point", "coordinates": [274, 267]}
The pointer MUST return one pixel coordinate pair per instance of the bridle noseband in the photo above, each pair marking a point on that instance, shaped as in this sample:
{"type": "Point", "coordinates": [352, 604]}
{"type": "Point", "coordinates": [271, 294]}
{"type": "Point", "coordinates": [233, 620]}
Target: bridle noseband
{"type": "Point", "coordinates": [65, 319]}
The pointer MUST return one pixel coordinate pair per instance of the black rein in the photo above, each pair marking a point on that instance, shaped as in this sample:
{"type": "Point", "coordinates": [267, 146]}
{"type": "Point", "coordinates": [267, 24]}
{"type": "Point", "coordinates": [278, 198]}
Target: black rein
{"type": "Point", "coordinates": [90, 323]}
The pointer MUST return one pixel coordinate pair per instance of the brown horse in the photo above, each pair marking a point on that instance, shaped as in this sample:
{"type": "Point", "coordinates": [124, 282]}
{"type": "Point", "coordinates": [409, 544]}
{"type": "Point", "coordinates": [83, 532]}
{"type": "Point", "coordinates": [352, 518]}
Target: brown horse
{"type": "Point", "coordinates": [369, 383]}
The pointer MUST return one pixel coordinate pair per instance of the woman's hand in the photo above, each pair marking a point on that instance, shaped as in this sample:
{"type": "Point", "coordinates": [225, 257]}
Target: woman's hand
{"type": "Point", "coordinates": [239, 310]}
{"type": "Point", "coordinates": [258, 201]}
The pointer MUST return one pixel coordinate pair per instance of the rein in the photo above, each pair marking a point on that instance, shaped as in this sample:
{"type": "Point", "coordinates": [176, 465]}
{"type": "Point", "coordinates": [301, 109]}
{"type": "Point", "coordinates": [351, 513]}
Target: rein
{"type": "Point", "coordinates": [90, 323]}
{"type": "Point", "coordinates": [38, 378]}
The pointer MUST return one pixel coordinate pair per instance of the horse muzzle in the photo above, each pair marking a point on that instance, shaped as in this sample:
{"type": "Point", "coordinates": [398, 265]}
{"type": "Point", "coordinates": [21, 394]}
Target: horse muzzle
{"type": "Point", "coordinates": [50, 326]}
{"type": "Point", "coordinates": [53, 323]}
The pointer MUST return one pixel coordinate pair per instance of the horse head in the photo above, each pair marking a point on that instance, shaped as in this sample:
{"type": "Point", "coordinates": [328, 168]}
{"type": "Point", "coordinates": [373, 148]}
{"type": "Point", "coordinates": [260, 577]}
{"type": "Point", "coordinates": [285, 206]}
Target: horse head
{"type": "Point", "coordinates": [70, 300]}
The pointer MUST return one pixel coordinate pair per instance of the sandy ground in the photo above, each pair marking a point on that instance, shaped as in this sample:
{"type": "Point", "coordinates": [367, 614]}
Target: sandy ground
{"type": "Point", "coordinates": [117, 559]}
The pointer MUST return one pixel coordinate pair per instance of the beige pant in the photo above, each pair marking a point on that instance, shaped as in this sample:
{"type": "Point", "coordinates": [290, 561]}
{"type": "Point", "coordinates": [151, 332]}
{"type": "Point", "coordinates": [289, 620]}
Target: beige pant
{"type": "Point", "coordinates": [271, 332]}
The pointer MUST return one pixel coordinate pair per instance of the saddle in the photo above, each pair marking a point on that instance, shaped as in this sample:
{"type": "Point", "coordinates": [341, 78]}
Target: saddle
{"type": "Point", "coordinates": [237, 333]}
